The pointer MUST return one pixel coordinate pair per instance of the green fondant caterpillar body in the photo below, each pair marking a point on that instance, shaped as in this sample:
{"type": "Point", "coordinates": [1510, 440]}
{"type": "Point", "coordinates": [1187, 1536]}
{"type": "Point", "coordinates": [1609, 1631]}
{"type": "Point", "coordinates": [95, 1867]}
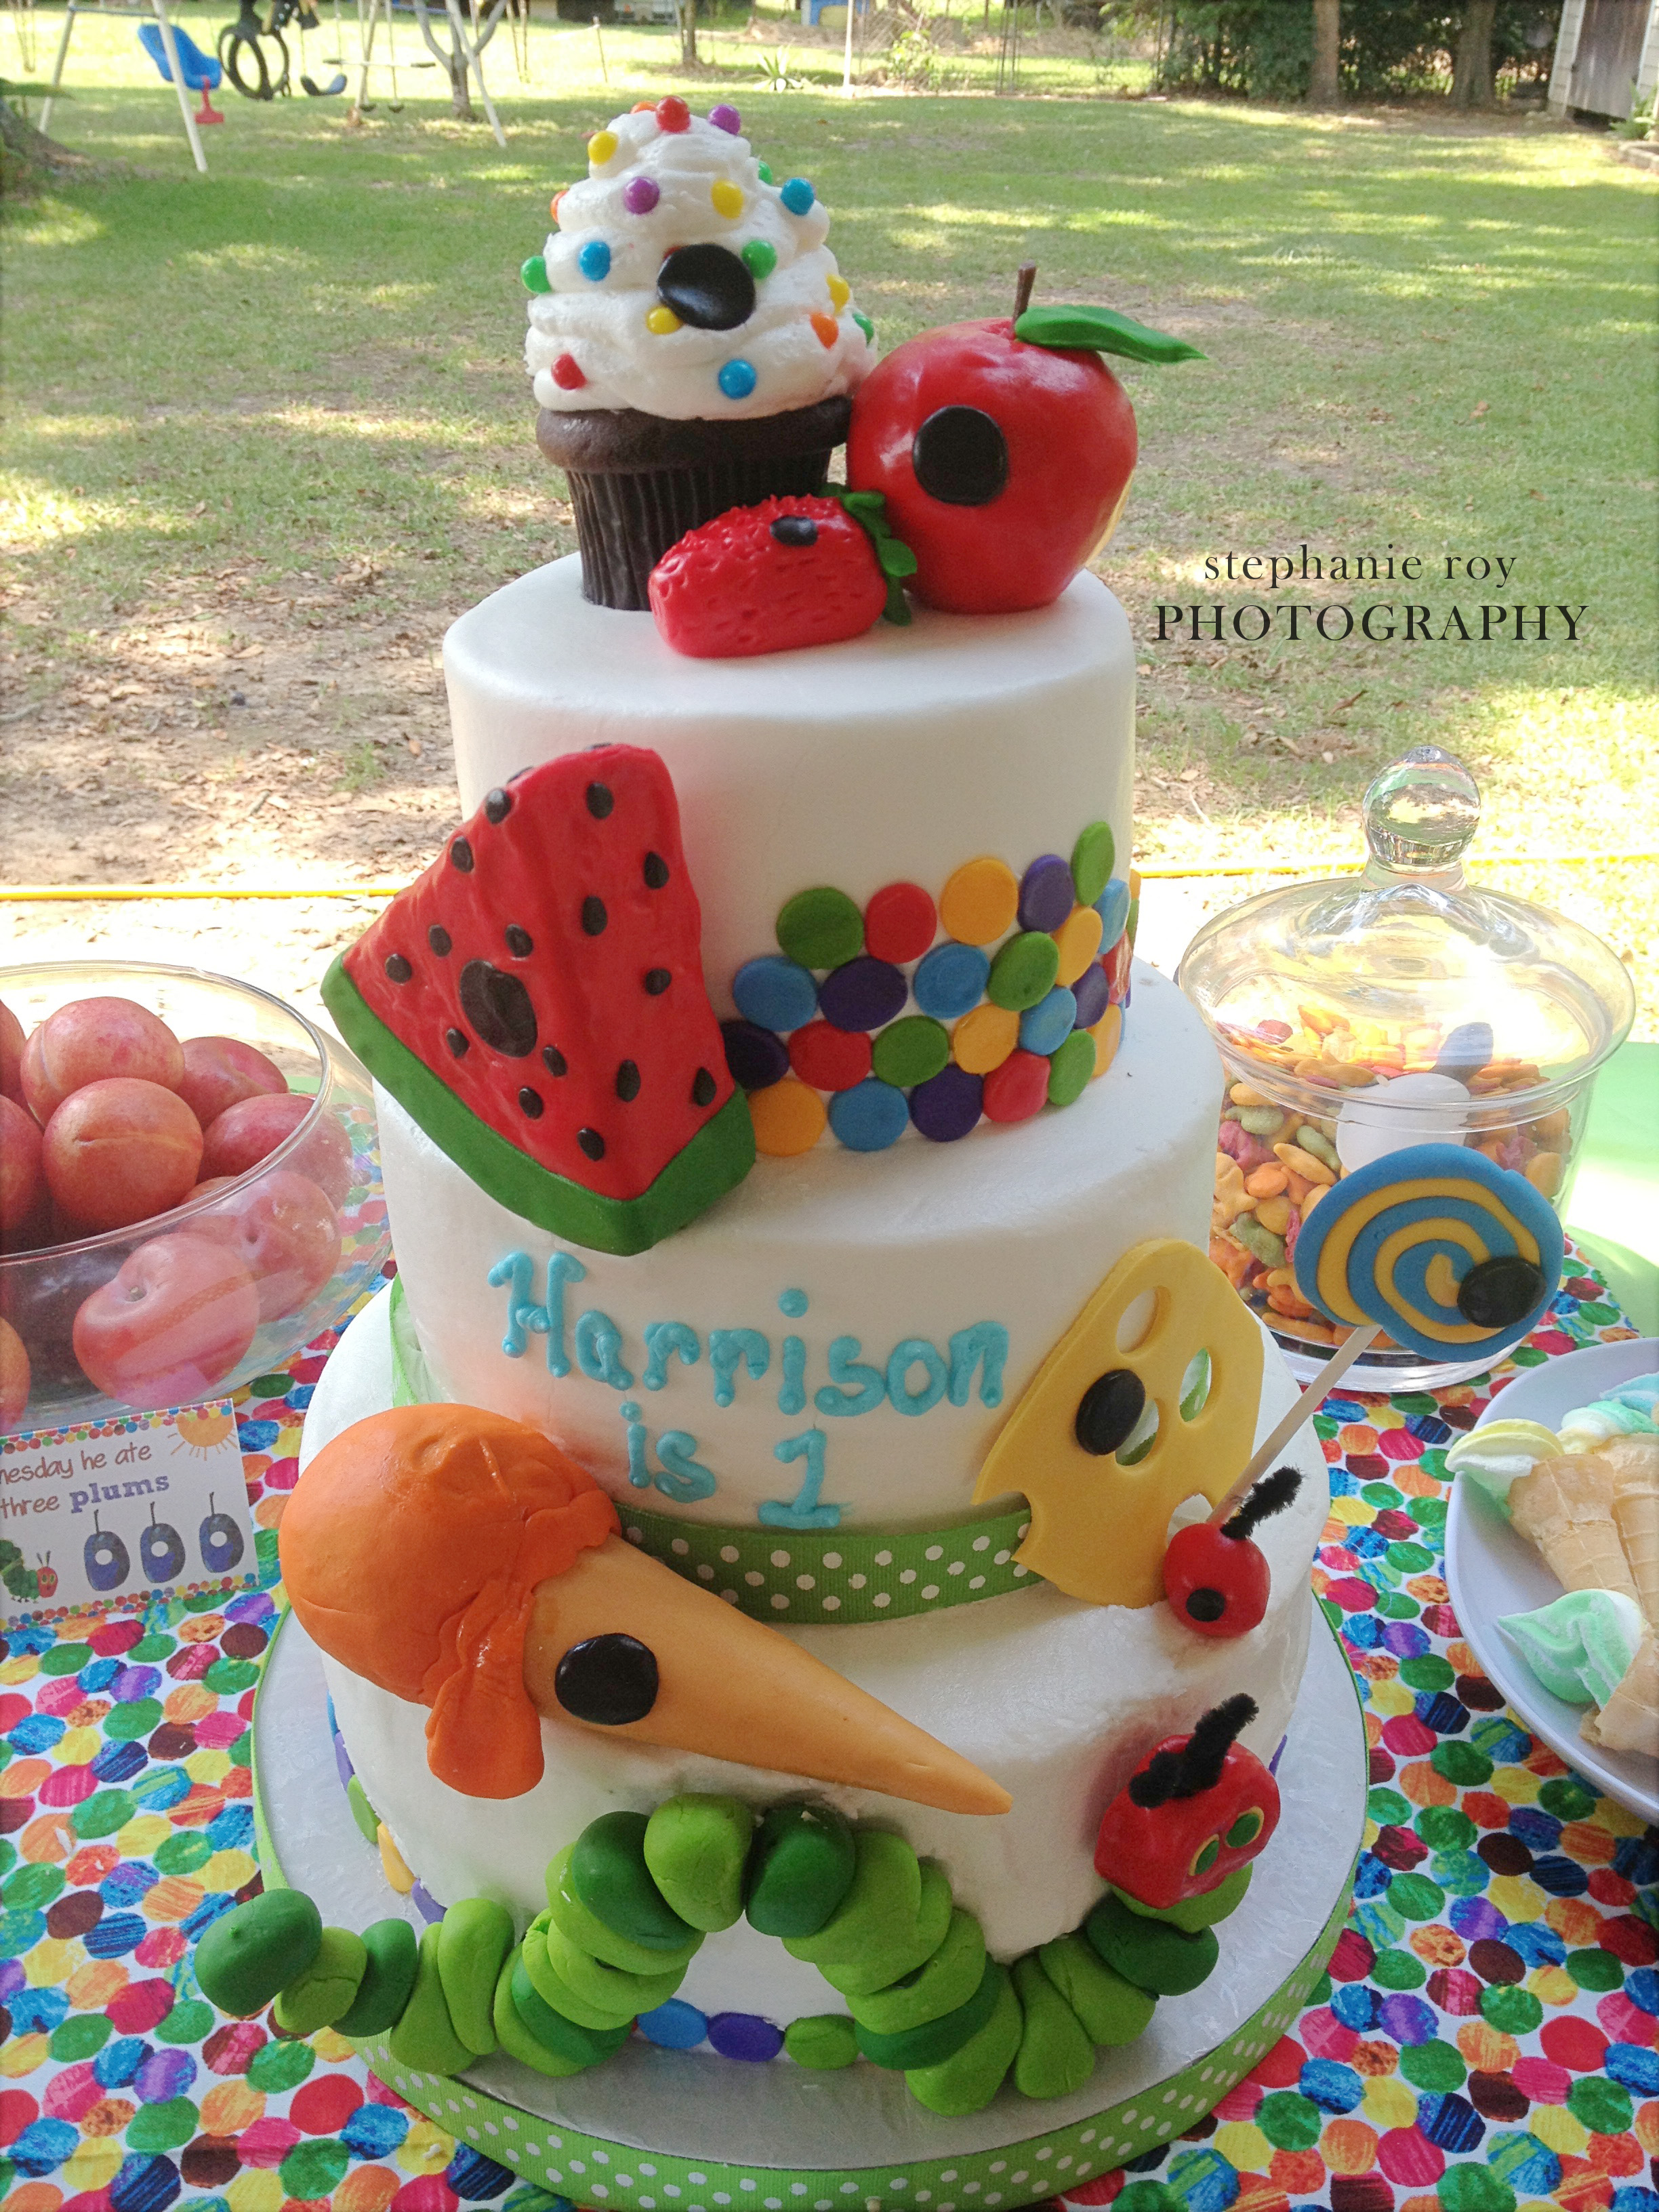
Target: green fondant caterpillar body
{"type": "Point", "coordinates": [628, 1905]}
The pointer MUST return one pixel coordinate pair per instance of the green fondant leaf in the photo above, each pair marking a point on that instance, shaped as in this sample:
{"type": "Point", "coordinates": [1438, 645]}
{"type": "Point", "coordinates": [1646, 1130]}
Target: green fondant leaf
{"type": "Point", "coordinates": [717, 1158]}
{"type": "Point", "coordinates": [1102, 330]}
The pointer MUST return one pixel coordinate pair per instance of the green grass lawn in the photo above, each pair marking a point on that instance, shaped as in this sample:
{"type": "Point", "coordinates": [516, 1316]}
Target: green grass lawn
{"type": "Point", "coordinates": [1419, 335]}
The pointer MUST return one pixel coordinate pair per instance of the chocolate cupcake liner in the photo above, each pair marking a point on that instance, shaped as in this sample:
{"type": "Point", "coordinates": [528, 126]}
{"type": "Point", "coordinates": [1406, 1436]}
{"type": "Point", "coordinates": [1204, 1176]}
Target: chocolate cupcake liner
{"type": "Point", "coordinates": [632, 503]}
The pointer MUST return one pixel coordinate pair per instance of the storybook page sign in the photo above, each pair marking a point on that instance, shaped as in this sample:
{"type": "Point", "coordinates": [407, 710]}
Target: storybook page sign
{"type": "Point", "coordinates": [106, 1514]}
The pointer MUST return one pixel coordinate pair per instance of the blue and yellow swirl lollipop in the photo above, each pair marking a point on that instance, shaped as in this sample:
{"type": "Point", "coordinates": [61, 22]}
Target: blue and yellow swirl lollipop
{"type": "Point", "coordinates": [1450, 1253]}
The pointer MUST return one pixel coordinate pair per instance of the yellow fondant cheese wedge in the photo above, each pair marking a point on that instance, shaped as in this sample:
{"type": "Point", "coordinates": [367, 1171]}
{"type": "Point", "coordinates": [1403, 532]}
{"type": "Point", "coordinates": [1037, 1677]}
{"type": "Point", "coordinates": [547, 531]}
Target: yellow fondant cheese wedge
{"type": "Point", "coordinates": [617, 1629]}
{"type": "Point", "coordinates": [1098, 1528]}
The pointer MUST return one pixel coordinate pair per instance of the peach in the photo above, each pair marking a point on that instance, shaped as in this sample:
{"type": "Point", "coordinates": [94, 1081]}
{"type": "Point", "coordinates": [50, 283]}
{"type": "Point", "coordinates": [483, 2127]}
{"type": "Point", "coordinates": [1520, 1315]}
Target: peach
{"type": "Point", "coordinates": [14, 1376]}
{"type": "Point", "coordinates": [92, 1041]}
{"type": "Point", "coordinates": [249, 1132]}
{"type": "Point", "coordinates": [221, 1071]}
{"type": "Point", "coordinates": [119, 1151]}
{"type": "Point", "coordinates": [20, 1166]}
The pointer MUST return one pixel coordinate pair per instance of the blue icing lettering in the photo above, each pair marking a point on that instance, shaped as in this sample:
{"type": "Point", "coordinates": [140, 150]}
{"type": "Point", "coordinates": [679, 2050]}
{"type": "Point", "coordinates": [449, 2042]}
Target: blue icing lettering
{"type": "Point", "coordinates": [986, 1341]}
{"type": "Point", "coordinates": [639, 1470]}
{"type": "Point", "coordinates": [914, 1352]}
{"type": "Point", "coordinates": [514, 1272]}
{"type": "Point", "coordinates": [561, 1269]}
{"type": "Point", "coordinates": [792, 1394]}
{"type": "Point", "coordinates": [663, 1339]}
{"type": "Point", "coordinates": [682, 1477]}
{"type": "Point", "coordinates": [793, 1305]}
{"type": "Point", "coordinates": [860, 1389]}
{"type": "Point", "coordinates": [598, 1350]}
{"type": "Point", "coordinates": [727, 1347]}
{"type": "Point", "coordinates": [803, 1511]}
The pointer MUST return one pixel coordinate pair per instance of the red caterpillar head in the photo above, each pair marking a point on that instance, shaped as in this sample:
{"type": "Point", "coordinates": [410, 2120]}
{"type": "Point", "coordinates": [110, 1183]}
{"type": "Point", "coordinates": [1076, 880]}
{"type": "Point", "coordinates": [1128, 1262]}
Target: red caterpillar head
{"type": "Point", "coordinates": [1190, 1815]}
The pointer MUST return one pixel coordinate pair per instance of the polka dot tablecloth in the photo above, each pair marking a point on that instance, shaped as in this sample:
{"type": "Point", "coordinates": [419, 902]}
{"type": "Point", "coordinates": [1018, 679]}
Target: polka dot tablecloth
{"type": "Point", "coordinates": [1487, 2037]}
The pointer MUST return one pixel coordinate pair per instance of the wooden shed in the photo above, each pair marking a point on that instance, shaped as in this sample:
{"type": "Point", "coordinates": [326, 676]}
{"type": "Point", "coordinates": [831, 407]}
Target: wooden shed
{"type": "Point", "coordinates": [1606, 57]}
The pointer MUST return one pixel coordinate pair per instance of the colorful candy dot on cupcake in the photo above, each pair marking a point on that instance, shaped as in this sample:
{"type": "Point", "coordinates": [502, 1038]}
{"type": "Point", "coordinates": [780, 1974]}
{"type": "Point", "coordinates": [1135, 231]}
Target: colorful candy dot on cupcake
{"type": "Point", "coordinates": [687, 327]}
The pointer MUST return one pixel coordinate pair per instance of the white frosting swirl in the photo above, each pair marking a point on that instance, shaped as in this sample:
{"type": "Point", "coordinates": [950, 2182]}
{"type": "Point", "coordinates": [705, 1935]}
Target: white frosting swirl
{"type": "Point", "coordinates": [709, 190]}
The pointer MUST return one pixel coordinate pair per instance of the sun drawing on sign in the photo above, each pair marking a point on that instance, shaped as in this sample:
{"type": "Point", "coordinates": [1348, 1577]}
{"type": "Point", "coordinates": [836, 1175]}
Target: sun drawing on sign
{"type": "Point", "coordinates": [204, 1430]}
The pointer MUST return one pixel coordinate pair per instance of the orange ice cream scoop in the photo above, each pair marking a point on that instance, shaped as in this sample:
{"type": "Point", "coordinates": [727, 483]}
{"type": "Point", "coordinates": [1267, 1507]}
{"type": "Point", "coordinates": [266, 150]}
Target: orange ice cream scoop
{"type": "Point", "coordinates": [412, 1548]}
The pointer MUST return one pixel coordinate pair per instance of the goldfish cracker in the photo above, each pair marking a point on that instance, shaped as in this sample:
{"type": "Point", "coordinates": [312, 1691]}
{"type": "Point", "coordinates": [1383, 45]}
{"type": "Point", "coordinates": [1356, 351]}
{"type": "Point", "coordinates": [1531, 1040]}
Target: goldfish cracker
{"type": "Point", "coordinates": [1544, 1172]}
{"type": "Point", "coordinates": [1244, 1094]}
{"type": "Point", "coordinates": [1231, 1258]}
{"type": "Point", "coordinates": [1263, 1121]}
{"type": "Point", "coordinates": [1274, 1213]}
{"type": "Point", "coordinates": [1297, 1189]}
{"type": "Point", "coordinates": [1318, 1020]}
{"type": "Point", "coordinates": [1306, 1205]}
{"type": "Point", "coordinates": [1302, 1163]}
{"type": "Point", "coordinates": [1267, 1181]}
{"type": "Point", "coordinates": [1231, 1199]}
{"type": "Point", "coordinates": [1284, 1299]}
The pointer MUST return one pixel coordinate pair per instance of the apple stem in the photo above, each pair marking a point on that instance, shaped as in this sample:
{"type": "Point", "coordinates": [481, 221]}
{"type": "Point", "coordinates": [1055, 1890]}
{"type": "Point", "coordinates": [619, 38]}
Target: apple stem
{"type": "Point", "coordinates": [1023, 284]}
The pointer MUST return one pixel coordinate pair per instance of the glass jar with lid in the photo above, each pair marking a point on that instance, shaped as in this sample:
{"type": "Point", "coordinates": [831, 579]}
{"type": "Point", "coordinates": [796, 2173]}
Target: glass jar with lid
{"type": "Point", "coordinates": [1360, 1015]}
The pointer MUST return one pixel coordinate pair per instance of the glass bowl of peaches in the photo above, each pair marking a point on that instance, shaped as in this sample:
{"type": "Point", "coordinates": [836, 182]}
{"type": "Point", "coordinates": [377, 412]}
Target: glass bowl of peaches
{"type": "Point", "coordinates": [190, 1187]}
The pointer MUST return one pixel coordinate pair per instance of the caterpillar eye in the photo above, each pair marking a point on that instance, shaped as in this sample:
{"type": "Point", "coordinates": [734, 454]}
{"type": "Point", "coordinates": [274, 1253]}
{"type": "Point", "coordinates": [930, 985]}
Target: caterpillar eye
{"type": "Point", "coordinates": [1205, 1856]}
{"type": "Point", "coordinates": [607, 1679]}
{"type": "Point", "coordinates": [1108, 1409]}
{"type": "Point", "coordinates": [1245, 1829]}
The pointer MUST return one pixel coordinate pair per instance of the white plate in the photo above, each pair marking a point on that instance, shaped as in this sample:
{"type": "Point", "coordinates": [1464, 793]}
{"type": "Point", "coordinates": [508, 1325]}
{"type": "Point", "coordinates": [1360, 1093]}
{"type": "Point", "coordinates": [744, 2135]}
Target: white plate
{"type": "Point", "coordinates": [1491, 1571]}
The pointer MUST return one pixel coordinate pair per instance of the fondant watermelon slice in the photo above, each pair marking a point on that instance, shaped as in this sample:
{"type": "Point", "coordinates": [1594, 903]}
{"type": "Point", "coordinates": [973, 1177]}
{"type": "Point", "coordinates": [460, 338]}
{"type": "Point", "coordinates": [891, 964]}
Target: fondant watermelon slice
{"type": "Point", "coordinates": [536, 1002]}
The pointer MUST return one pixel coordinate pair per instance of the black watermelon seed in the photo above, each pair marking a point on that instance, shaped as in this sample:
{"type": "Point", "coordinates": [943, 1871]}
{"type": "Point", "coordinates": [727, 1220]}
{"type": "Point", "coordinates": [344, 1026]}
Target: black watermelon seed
{"type": "Point", "coordinates": [795, 530]}
{"type": "Point", "coordinates": [628, 1080]}
{"type": "Point", "coordinates": [961, 457]}
{"type": "Point", "coordinates": [607, 1679]}
{"type": "Point", "coordinates": [592, 1143]}
{"type": "Point", "coordinates": [438, 939]}
{"type": "Point", "coordinates": [498, 805]}
{"type": "Point", "coordinates": [657, 980]}
{"type": "Point", "coordinates": [518, 941]}
{"type": "Point", "coordinates": [498, 1006]}
{"type": "Point", "coordinates": [460, 855]}
{"type": "Point", "coordinates": [600, 801]}
{"type": "Point", "coordinates": [656, 872]}
{"type": "Point", "coordinates": [459, 1043]}
{"type": "Point", "coordinates": [702, 1088]}
{"type": "Point", "coordinates": [1205, 1604]}
{"type": "Point", "coordinates": [707, 286]}
{"type": "Point", "coordinates": [1108, 1409]}
{"type": "Point", "coordinates": [554, 1060]}
{"type": "Point", "coordinates": [530, 1101]}
{"type": "Point", "coordinates": [594, 916]}
{"type": "Point", "coordinates": [398, 967]}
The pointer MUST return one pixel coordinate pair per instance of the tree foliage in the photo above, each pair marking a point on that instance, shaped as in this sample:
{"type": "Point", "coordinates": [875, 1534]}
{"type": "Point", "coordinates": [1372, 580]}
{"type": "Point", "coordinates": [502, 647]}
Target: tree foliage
{"type": "Point", "coordinates": [1390, 48]}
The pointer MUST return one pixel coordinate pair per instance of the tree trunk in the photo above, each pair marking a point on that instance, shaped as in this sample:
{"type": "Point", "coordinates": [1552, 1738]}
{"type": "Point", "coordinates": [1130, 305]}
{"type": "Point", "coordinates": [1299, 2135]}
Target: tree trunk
{"type": "Point", "coordinates": [689, 32]}
{"type": "Point", "coordinates": [28, 155]}
{"type": "Point", "coordinates": [1323, 87]}
{"type": "Point", "coordinates": [1472, 84]}
{"type": "Point", "coordinates": [461, 91]}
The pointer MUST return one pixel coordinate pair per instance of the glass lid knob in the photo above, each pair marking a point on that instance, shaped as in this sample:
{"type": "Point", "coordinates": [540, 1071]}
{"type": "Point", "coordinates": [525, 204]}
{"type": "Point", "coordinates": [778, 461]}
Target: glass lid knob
{"type": "Point", "coordinates": [1421, 814]}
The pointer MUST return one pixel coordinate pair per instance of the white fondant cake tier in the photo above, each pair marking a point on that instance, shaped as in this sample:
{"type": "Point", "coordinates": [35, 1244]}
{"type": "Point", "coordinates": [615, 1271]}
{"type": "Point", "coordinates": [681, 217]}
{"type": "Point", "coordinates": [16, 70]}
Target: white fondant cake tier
{"type": "Point", "coordinates": [1055, 1699]}
{"type": "Point", "coordinates": [893, 758]}
{"type": "Point", "coordinates": [984, 1251]}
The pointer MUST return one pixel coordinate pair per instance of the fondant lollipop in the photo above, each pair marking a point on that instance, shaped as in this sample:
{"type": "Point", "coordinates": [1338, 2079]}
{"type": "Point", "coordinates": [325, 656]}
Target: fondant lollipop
{"type": "Point", "coordinates": [1436, 1243]}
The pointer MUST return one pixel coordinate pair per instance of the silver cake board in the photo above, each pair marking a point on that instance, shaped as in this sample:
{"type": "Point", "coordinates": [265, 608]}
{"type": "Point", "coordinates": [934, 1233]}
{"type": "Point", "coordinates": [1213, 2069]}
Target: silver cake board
{"type": "Point", "coordinates": [688, 2131]}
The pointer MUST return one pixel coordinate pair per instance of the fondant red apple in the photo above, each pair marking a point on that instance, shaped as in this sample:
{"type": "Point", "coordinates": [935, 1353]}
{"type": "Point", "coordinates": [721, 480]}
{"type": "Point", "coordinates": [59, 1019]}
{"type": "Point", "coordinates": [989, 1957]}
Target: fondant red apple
{"type": "Point", "coordinates": [1004, 449]}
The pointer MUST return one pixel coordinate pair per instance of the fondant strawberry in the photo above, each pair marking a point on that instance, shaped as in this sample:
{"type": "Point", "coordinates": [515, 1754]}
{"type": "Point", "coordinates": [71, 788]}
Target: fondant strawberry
{"type": "Point", "coordinates": [536, 1002]}
{"type": "Point", "coordinates": [792, 572]}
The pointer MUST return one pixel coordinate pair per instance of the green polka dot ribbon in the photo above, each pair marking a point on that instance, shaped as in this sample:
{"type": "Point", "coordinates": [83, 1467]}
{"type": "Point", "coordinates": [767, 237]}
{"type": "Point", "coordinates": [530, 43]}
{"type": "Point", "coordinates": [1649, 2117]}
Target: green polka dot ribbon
{"type": "Point", "coordinates": [798, 1575]}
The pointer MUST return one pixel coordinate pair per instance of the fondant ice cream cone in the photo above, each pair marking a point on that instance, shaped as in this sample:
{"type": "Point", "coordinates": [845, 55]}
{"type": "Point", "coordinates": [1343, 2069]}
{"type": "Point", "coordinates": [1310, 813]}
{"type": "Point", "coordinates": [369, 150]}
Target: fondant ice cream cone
{"type": "Point", "coordinates": [1565, 1509]}
{"type": "Point", "coordinates": [1629, 1719]}
{"type": "Point", "coordinates": [1633, 1462]}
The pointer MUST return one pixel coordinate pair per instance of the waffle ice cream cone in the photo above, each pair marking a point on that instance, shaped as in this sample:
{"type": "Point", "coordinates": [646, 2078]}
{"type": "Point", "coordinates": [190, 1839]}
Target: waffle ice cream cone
{"type": "Point", "coordinates": [1629, 1719]}
{"type": "Point", "coordinates": [1634, 1461]}
{"type": "Point", "coordinates": [1565, 1509]}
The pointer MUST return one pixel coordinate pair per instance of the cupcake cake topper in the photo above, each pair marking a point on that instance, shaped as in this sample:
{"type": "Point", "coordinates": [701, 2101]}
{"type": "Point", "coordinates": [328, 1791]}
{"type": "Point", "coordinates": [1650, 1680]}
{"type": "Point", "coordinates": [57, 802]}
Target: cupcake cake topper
{"type": "Point", "coordinates": [681, 281]}
{"type": "Point", "coordinates": [692, 347]}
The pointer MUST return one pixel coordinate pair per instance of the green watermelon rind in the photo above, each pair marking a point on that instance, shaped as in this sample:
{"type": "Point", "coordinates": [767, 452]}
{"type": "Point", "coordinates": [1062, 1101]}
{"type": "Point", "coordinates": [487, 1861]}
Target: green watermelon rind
{"type": "Point", "coordinates": [715, 1161]}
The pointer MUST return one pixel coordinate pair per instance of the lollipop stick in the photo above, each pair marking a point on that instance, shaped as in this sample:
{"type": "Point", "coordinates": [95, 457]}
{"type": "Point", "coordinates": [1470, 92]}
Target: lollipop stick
{"type": "Point", "coordinates": [1300, 1412]}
